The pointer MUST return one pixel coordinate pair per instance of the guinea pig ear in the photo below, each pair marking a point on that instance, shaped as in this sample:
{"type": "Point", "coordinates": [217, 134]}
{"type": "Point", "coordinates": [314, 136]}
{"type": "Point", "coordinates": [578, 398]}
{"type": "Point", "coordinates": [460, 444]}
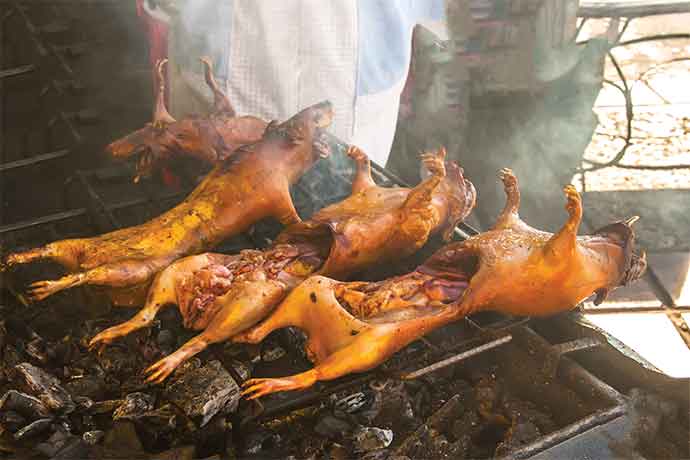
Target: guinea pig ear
{"type": "Point", "coordinates": [601, 295]}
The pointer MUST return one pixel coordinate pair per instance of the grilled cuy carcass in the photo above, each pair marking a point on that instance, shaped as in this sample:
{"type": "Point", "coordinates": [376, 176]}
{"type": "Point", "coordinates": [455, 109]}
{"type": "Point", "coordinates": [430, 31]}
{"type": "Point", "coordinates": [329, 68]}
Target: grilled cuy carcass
{"type": "Point", "coordinates": [513, 268]}
{"type": "Point", "coordinates": [223, 295]}
{"type": "Point", "coordinates": [207, 140]}
{"type": "Point", "coordinates": [248, 186]}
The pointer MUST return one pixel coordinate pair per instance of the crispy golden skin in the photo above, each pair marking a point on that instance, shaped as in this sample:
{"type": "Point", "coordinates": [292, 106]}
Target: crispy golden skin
{"type": "Point", "coordinates": [245, 188]}
{"type": "Point", "coordinates": [513, 268]}
{"type": "Point", "coordinates": [209, 140]}
{"type": "Point", "coordinates": [223, 295]}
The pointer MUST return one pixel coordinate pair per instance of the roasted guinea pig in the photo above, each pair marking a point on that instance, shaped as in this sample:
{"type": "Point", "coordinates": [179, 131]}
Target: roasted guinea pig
{"type": "Point", "coordinates": [513, 268]}
{"type": "Point", "coordinates": [207, 140]}
{"type": "Point", "coordinates": [223, 295]}
{"type": "Point", "coordinates": [248, 186]}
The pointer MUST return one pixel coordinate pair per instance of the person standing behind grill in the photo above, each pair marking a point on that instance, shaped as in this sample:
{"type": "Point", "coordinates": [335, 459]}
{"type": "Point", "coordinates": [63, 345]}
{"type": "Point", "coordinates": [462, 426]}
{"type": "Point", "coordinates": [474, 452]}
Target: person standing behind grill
{"type": "Point", "coordinates": [278, 56]}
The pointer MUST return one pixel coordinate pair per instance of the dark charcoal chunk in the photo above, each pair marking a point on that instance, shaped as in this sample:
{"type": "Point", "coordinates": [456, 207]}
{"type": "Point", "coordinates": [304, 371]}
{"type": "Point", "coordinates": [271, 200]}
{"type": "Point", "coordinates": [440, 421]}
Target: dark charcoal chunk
{"type": "Point", "coordinates": [338, 452]}
{"type": "Point", "coordinates": [116, 361]}
{"type": "Point", "coordinates": [93, 437]}
{"type": "Point", "coordinates": [272, 353]}
{"type": "Point", "coordinates": [46, 387]}
{"type": "Point", "coordinates": [354, 403]}
{"type": "Point", "coordinates": [38, 350]}
{"type": "Point", "coordinates": [166, 341]}
{"type": "Point", "coordinates": [55, 443]}
{"type": "Point", "coordinates": [367, 439]}
{"type": "Point", "coordinates": [426, 442]}
{"type": "Point", "coordinates": [105, 407]}
{"type": "Point", "coordinates": [134, 406]}
{"type": "Point", "coordinates": [469, 424]}
{"type": "Point", "coordinates": [332, 427]}
{"type": "Point", "coordinates": [391, 407]}
{"type": "Point", "coordinates": [441, 419]}
{"type": "Point", "coordinates": [243, 370]}
{"type": "Point", "coordinates": [179, 453]}
{"type": "Point", "coordinates": [30, 407]}
{"type": "Point", "coordinates": [36, 428]}
{"type": "Point", "coordinates": [12, 421]}
{"type": "Point", "coordinates": [92, 387]}
{"type": "Point", "coordinates": [259, 440]}
{"type": "Point", "coordinates": [204, 392]}
{"type": "Point", "coordinates": [123, 437]}
{"type": "Point", "coordinates": [77, 449]}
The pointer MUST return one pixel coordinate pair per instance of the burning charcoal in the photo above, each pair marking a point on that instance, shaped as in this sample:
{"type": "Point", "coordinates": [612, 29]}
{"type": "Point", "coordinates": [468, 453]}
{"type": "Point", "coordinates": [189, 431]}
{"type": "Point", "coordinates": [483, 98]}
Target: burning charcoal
{"type": "Point", "coordinates": [46, 387]}
{"type": "Point", "coordinates": [30, 407]}
{"type": "Point", "coordinates": [11, 420]}
{"type": "Point", "coordinates": [367, 439]}
{"type": "Point", "coordinates": [134, 406]}
{"type": "Point", "coordinates": [93, 437]}
{"type": "Point", "coordinates": [272, 353]}
{"type": "Point", "coordinates": [204, 392]}
{"type": "Point", "coordinates": [36, 428]}
{"type": "Point", "coordinates": [105, 407]}
{"type": "Point", "coordinates": [333, 428]}
{"type": "Point", "coordinates": [441, 419]}
{"type": "Point", "coordinates": [55, 443]}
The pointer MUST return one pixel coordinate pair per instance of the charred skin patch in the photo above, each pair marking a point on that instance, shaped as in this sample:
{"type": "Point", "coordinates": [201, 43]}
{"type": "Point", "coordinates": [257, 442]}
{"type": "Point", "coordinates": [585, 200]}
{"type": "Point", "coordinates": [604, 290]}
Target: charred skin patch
{"type": "Point", "coordinates": [312, 297]}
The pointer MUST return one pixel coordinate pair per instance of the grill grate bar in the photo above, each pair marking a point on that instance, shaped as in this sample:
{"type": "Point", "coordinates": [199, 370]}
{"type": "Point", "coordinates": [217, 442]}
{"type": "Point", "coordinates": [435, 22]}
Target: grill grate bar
{"type": "Point", "coordinates": [17, 71]}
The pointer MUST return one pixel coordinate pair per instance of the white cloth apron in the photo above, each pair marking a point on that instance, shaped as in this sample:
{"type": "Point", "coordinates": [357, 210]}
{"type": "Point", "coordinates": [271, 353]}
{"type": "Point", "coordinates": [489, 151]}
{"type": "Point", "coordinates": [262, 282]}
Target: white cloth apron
{"type": "Point", "coordinates": [284, 56]}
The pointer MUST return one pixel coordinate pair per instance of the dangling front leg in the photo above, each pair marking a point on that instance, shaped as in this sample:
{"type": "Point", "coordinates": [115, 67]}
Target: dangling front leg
{"type": "Point", "coordinates": [564, 242]}
{"type": "Point", "coordinates": [362, 179]}
{"type": "Point", "coordinates": [240, 312]}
